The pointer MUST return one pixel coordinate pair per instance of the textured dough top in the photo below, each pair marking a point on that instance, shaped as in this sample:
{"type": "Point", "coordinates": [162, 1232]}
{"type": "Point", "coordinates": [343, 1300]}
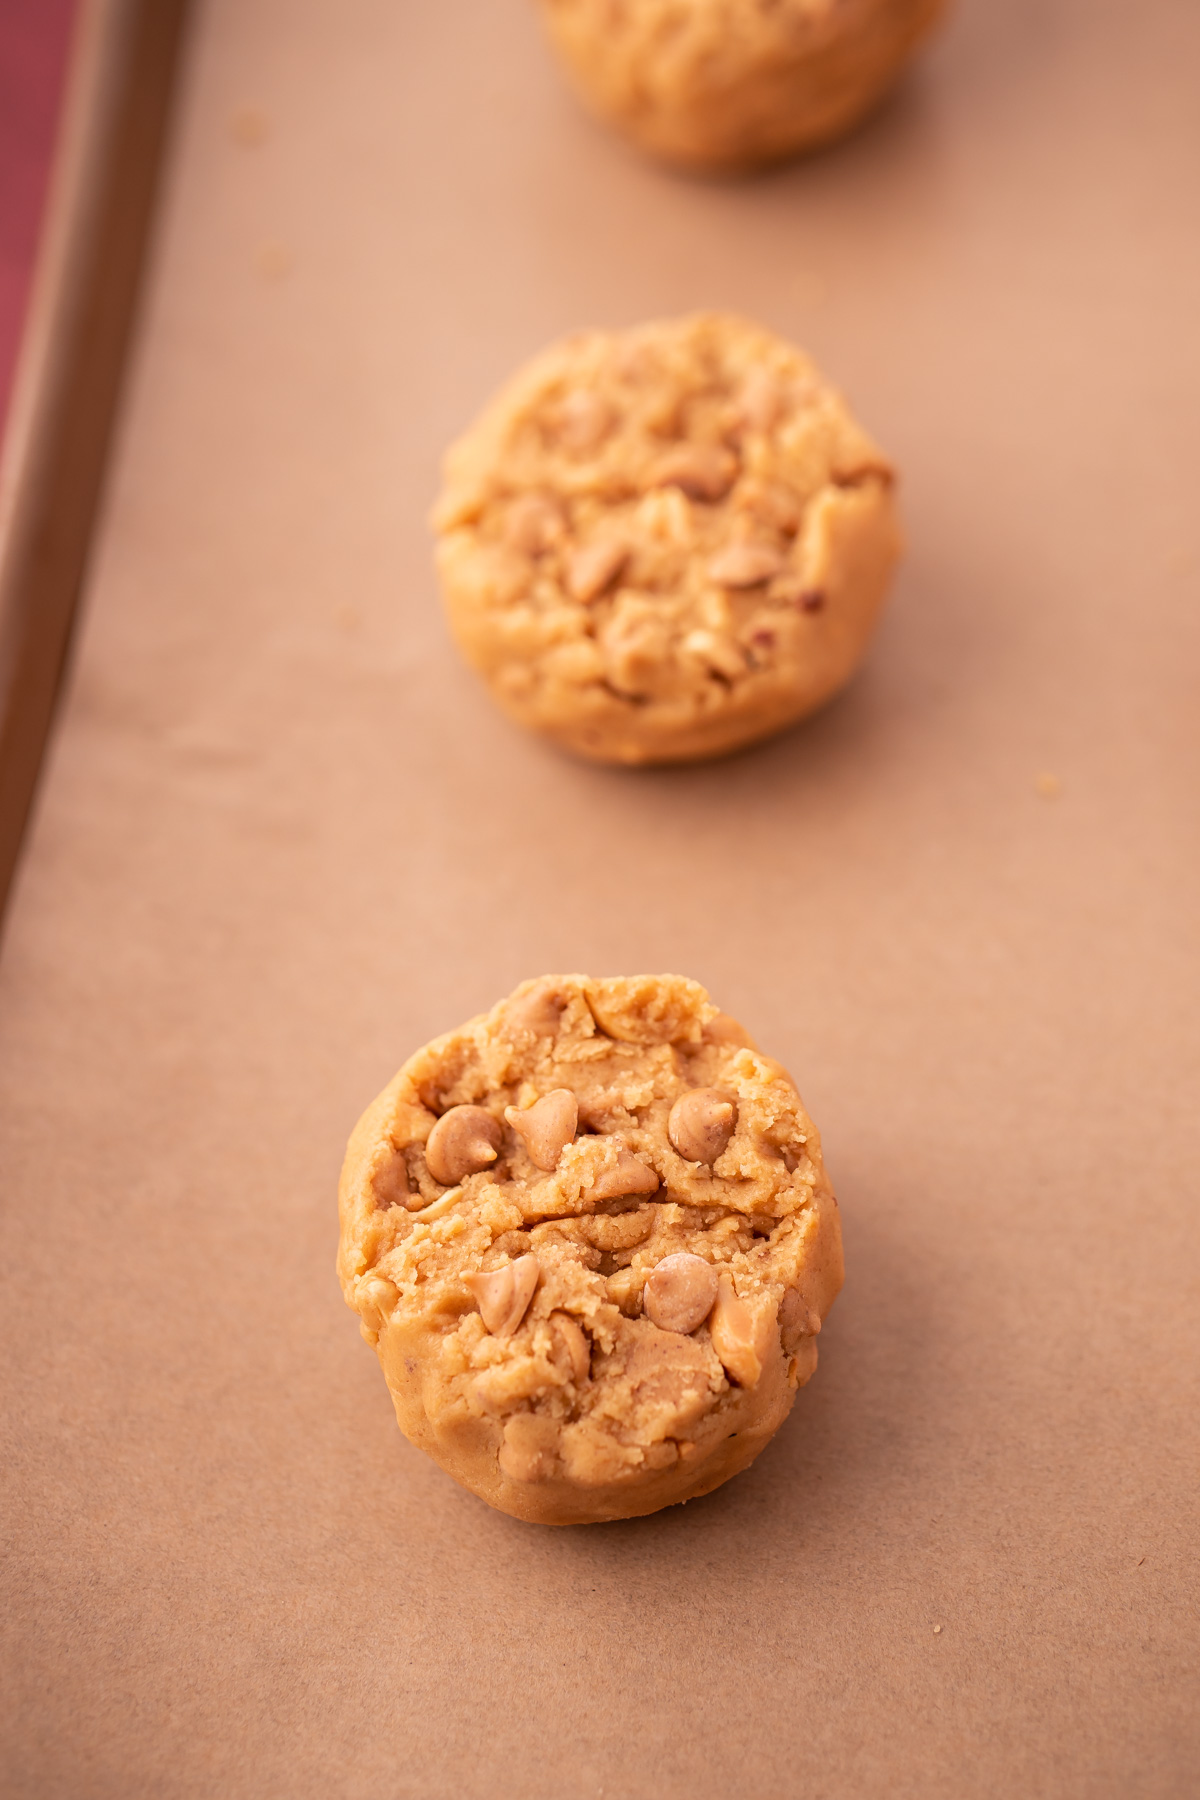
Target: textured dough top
{"type": "Point", "coordinates": [507, 1204]}
{"type": "Point", "coordinates": [644, 523]}
{"type": "Point", "coordinates": [665, 36]}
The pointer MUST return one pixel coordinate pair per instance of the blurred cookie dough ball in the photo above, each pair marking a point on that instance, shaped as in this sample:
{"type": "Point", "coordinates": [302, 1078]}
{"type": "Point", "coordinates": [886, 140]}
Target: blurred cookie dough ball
{"type": "Point", "coordinates": [664, 543]}
{"type": "Point", "coordinates": [727, 84]}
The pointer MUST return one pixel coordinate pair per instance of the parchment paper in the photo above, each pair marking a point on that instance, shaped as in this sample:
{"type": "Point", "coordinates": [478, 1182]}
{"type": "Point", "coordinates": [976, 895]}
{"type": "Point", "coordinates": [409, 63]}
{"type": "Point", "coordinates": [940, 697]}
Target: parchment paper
{"type": "Point", "coordinates": [285, 838]}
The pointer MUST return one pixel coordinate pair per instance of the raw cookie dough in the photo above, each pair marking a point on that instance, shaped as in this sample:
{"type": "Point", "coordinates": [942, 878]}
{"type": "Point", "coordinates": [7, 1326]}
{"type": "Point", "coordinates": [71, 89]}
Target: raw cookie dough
{"type": "Point", "coordinates": [667, 542]}
{"type": "Point", "coordinates": [592, 1239]}
{"type": "Point", "coordinates": [728, 84]}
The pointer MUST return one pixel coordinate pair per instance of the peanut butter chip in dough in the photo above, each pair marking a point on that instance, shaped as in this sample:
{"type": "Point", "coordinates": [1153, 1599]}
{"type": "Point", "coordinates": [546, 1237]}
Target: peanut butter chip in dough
{"type": "Point", "coordinates": [538, 1011]}
{"type": "Point", "coordinates": [592, 568]}
{"type": "Point", "coordinates": [721, 1029]}
{"type": "Point", "coordinates": [703, 471]}
{"type": "Point", "coordinates": [701, 1124]}
{"type": "Point", "coordinates": [546, 1127]}
{"type": "Point", "coordinates": [629, 1177]}
{"type": "Point", "coordinates": [504, 1294]}
{"type": "Point", "coordinates": [680, 1293]}
{"type": "Point", "coordinates": [744, 565]}
{"type": "Point", "coordinates": [760, 402]}
{"type": "Point", "coordinates": [733, 1336]}
{"type": "Point", "coordinates": [464, 1140]}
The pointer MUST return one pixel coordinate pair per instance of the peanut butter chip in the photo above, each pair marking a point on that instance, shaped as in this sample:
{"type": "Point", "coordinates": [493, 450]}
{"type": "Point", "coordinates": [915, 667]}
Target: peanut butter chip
{"type": "Point", "coordinates": [539, 1011]}
{"type": "Point", "coordinates": [701, 1123]}
{"type": "Point", "coordinates": [463, 1141]}
{"type": "Point", "coordinates": [703, 471]}
{"type": "Point", "coordinates": [546, 1127]}
{"type": "Point", "coordinates": [732, 1328]}
{"type": "Point", "coordinates": [503, 1295]}
{"type": "Point", "coordinates": [744, 565]}
{"type": "Point", "coordinates": [631, 1176]}
{"type": "Point", "coordinates": [680, 1292]}
{"type": "Point", "coordinates": [722, 1028]}
{"type": "Point", "coordinates": [594, 567]}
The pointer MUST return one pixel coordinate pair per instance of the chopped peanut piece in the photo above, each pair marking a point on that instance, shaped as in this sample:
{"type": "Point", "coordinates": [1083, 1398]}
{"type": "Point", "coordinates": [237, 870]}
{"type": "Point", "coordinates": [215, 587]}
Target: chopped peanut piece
{"type": "Point", "coordinates": [376, 1296]}
{"type": "Point", "coordinates": [575, 1342]}
{"type": "Point", "coordinates": [732, 1327]}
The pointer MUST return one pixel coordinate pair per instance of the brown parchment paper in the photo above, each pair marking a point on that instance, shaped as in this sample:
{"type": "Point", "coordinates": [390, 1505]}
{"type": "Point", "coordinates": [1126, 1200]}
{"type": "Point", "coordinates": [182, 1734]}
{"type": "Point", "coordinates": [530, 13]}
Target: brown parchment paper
{"type": "Point", "coordinates": [285, 839]}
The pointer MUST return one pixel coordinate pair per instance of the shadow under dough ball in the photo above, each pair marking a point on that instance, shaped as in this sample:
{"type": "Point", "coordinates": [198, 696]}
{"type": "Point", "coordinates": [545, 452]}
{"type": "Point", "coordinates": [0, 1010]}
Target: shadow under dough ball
{"type": "Point", "coordinates": [591, 1237]}
{"type": "Point", "coordinates": [730, 84]}
{"type": "Point", "coordinates": [665, 543]}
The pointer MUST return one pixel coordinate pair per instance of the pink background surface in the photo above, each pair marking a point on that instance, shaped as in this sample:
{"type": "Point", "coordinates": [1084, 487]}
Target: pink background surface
{"type": "Point", "coordinates": [34, 40]}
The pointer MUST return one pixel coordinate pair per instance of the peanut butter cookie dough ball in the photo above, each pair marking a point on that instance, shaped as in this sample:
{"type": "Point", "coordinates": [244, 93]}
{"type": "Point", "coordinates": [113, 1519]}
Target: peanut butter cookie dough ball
{"type": "Point", "coordinates": [592, 1239]}
{"type": "Point", "coordinates": [665, 543]}
{"type": "Point", "coordinates": [728, 84]}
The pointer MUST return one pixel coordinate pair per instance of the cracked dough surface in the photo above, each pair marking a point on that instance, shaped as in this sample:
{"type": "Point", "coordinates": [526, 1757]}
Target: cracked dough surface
{"type": "Point", "coordinates": [728, 84]}
{"type": "Point", "coordinates": [666, 542]}
{"type": "Point", "coordinates": [584, 1409]}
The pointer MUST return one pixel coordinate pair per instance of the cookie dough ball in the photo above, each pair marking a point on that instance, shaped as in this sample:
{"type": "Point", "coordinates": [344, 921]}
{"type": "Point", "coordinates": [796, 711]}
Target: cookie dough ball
{"type": "Point", "coordinates": [728, 84]}
{"type": "Point", "coordinates": [664, 543]}
{"type": "Point", "coordinates": [592, 1239]}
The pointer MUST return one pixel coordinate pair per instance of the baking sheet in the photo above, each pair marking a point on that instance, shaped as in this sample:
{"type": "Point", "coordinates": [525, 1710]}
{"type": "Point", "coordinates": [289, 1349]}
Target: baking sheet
{"type": "Point", "coordinates": [285, 838]}
{"type": "Point", "coordinates": [33, 56]}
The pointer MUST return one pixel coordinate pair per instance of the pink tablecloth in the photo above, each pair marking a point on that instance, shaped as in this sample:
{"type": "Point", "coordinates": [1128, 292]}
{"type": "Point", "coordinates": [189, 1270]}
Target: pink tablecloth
{"type": "Point", "coordinates": [34, 39]}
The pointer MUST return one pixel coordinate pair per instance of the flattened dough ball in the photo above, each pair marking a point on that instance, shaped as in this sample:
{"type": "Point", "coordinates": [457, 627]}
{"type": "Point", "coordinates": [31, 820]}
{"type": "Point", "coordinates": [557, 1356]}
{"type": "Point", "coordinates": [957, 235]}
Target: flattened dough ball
{"type": "Point", "coordinates": [591, 1325]}
{"type": "Point", "coordinates": [664, 543]}
{"type": "Point", "coordinates": [730, 84]}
